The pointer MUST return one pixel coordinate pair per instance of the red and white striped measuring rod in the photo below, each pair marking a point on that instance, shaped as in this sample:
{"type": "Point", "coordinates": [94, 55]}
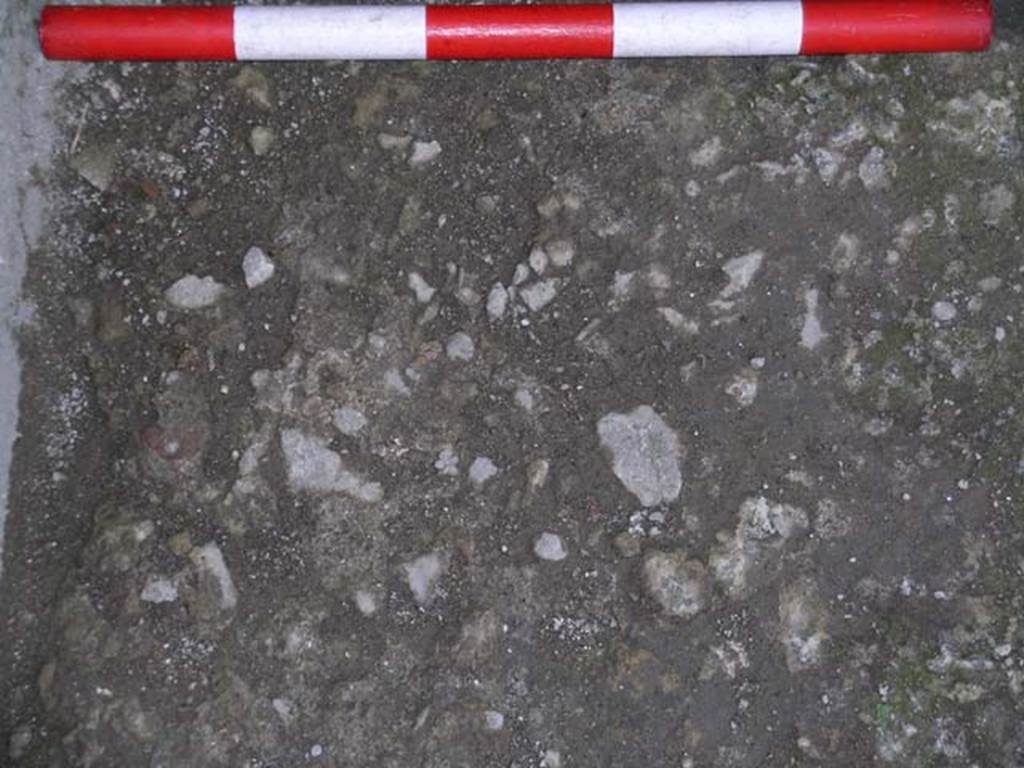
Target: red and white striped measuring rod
{"type": "Point", "coordinates": [634, 29]}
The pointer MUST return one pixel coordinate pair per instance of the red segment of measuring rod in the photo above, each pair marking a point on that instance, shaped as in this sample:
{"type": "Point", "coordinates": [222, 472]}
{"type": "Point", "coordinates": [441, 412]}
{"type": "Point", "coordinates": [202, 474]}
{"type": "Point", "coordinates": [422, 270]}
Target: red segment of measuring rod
{"type": "Point", "coordinates": [519, 31]}
{"type": "Point", "coordinates": [136, 32]}
{"type": "Point", "coordinates": [894, 26]}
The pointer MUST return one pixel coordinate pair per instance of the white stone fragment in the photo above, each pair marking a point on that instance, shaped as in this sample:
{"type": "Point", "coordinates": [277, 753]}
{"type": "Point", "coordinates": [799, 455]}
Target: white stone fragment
{"type": "Point", "coordinates": [561, 253]}
{"type": "Point", "coordinates": [707, 154]}
{"type": "Point", "coordinates": [540, 294]}
{"type": "Point", "coordinates": [447, 461]}
{"type": "Point", "coordinates": [743, 387]}
{"type": "Point", "coordinates": [521, 275]}
{"type": "Point", "coordinates": [424, 152]}
{"type": "Point", "coordinates": [348, 420]}
{"type": "Point", "coordinates": [811, 333]}
{"type": "Point", "coordinates": [191, 292]}
{"type": "Point", "coordinates": [257, 266]}
{"type": "Point", "coordinates": [493, 721]}
{"type": "Point", "coordinates": [481, 470]}
{"type": "Point", "coordinates": [209, 563]}
{"type": "Point", "coordinates": [421, 288]}
{"type": "Point", "coordinates": [873, 170]}
{"type": "Point", "coordinates": [423, 575]}
{"type": "Point", "coordinates": [524, 398]}
{"type": "Point", "coordinates": [159, 590]}
{"type": "Point", "coordinates": [802, 619]}
{"type": "Point", "coordinates": [365, 602]}
{"type": "Point", "coordinates": [497, 302]}
{"type": "Point", "coordinates": [944, 311]}
{"type": "Point", "coordinates": [679, 321]}
{"type": "Point", "coordinates": [394, 382]}
{"type": "Point", "coordinates": [644, 454]}
{"type": "Point", "coordinates": [538, 260]}
{"type": "Point", "coordinates": [549, 546]}
{"type": "Point", "coordinates": [460, 347]}
{"type": "Point", "coordinates": [315, 468]}
{"type": "Point", "coordinates": [679, 585]}
{"type": "Point", "coordinates": [261, 139]}
{"type": "Point", "coordinates": [740, 271]}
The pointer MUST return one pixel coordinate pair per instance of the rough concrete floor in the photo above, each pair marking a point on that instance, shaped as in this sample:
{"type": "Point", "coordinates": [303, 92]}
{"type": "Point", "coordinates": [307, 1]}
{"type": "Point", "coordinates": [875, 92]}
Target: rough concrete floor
{"type": "Point", "coordinates": [527, 414]}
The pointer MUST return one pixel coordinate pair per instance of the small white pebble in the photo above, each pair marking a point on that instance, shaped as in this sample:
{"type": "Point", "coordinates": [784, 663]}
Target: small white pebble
{"type": "Point", "coordinates": [191, 292]}
{"type": "Point", "coordinates": [521, 275]}
{"type": "Point", "coordinates": [494, 721]}
{"type": "Point", "coordinates": [497, 302]}
{"type": "Point", "coordinates": [257, 266]}
{"type": "Point", "coordinates": [539, 295]}
{"type": "Point", "coordinates": [423, 290]}
{"type": "Point", "coordinates": [447, 461]}
{"type": "Point", "coordinates": [348, 420]}
{"type": "Point", "coordinates": [943, 311]}
{"type": "Point", "coordinates": [560, 252]}
{"type": "Point", "coordinates": [424, 152]}
{"type": "Point", "coordinates": [524, 398]}
{"type": "Point", "coordinates": [261, 139]}
{"type": "Point", "coordinates": [365, 602]}
{"type": "Point", "coordinates": [316, 751]}
{"type": "Point", "coordinates": [538, 260]}
{"type": "Point", "coordinates": [460, 347]}
{"type": "Point", "coordinates": [481, 470]}
{"type": "Point", "coordinates": [1000, 333]}
{"type": "Point", "coordinates": [549, 546]}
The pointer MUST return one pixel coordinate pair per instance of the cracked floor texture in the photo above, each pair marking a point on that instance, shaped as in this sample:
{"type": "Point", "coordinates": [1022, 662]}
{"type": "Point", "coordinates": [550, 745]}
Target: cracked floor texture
{"type": "Point", "coordinates": [629, 413]}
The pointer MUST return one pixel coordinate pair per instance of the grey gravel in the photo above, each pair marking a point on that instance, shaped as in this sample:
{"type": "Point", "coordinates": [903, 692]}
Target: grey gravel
{"type": "Point", "coordinates": [644, 454]}
{"type": "Point", "coordinates": [192, 292]}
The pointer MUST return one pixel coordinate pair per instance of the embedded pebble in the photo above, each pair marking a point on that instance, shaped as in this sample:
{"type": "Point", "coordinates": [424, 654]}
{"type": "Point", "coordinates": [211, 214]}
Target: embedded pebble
{"type": "Point", "coordinates": [423, 575]}
{"type": "Point", "coordinates": [209, 563]}
{"type": "Point", "coordinates": [803, 621]}
{"type": "Point", "coordinates": [447, 461]}
{"type": "Point", "coordinates": [257, 266]}
{"type": "Point", "coordinates": [538, 260]}
{"type": "Point", "coordinates": [707, 154]}
{"type": "Point", "coordinates": [549, 546]}
{"type": "Point", "coordinates": [944, 311]}
{"type": "Point", "coordinates": [740, 271]}
{"type": "Point", "coordinates": [873, 170]}
{"type": "Point", "coordinates": [365, 602]}
{"type": "Point", "coordinates": [521, 275]}
{"type": "Point", "coordinates": [390, 141]}
{"type": "Point", "coordinates": [348, 420]}
{"type": "Point", "coordinates": [561, 253]}
{"type": "Point", "coordinates": [743, 388]}
{"type": "Point", "coordinates": [261, 139]}
{"type": "Point", "coordinates": [811, 334]}
{"type": "Point", "coordinates": [191, 292]}
{"type": "Point", "coordinates": [424, 152]}
{"type": "Point", "coordinates": [481, 470]}
{"type": "Point", "coordinates": [497, 302]}
{"type": "Point", "coordinates": [540, 294]}
{"type": "Point", "coordinates": [421, 288]}
{"type": "Point", "coordinates": [677, 583]}
{"type": "Point", "coordinates": [315, 468]}
{"type": "Point", "coordinates": [524, 398]}
{"type": "Point", "coordinates": [460, 347]}
{"type": "Point", "coordinates": [493, 721]}
{"type": "Point", "coordinates": [159, 591]}
{"type": "Point", "coordinates": [644, 454]}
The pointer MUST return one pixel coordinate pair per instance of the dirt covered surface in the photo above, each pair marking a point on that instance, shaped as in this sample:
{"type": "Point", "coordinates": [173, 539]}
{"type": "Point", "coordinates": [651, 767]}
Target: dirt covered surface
{"type": "Point", "coordinates": [525, 414]}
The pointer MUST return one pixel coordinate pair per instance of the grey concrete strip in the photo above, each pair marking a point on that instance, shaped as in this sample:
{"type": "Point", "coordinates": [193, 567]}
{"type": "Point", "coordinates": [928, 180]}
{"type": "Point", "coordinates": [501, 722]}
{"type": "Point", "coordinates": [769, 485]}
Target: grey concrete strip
{"type": "Point", "coordinates": [25, 140]}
